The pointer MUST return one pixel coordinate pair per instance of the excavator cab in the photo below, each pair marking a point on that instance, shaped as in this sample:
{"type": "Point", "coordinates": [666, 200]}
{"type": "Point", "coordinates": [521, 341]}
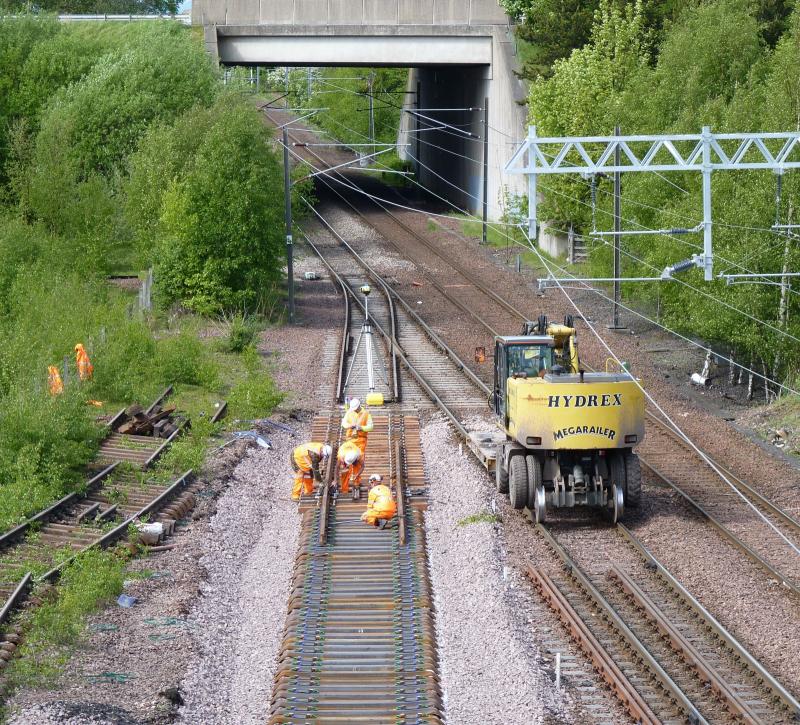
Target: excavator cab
{"type": "Point", "coordinates": [542, 347]}
{"type": "Point", "coordinates": [519, 357]}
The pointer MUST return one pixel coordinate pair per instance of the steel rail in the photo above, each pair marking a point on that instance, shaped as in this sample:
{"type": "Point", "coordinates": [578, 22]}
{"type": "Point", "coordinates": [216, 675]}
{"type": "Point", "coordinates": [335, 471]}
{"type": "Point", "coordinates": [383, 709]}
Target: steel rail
{"type": "Point", "coordinates": [340, 378]}
{"type": "Point", "coordinates": [724, 530]}
{"type": "Point", "coordinates": [121, 530]}
{"type": "Point", "coordinates": [711, 623]}
{"type": "Point", "coordinates": [400, 489]}
{"type": "Point", "coordinates": [16, 597]}
{"type": "Point", "coordinates": [331, 473]}
{"type": "Point", "coordinates": [623, 630]}
{"type": "Point", "coordinates": [46, 514]}
{"type": "Point", "coordinates": [705, 672]}
{"type": "Point", "coordinates": [603, 663]}
{"type": "Point", "coordinates": [423, 383]}
{"type": "Point", "coordinates": [427, 329]}
{"type": "Point", "coordinates": [390, 301]}
{"type": "Point", "coordinates": [759, 499]}
{"type": "Point", "coordinates": [160, 399]}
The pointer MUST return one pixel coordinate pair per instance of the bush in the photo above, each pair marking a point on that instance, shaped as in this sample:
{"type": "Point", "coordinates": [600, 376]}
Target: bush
{"type": "Point", "coordinates": [183, 359]}
{"type": "Point", "coordinates": [210, 193]}
{"type": "Point", "coordinates": [256, 395]}
{"type": "Point", "coordinates": [242, 333]}
{"type": "Point", "coordinates": [92, 579]}
{"type": "Point", "coordinates": [44, 445]}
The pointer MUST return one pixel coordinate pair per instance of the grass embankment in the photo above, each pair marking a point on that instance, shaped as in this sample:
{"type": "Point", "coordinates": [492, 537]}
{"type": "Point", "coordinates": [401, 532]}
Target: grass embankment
{"type": "Point", "coordinates": [120, 151]}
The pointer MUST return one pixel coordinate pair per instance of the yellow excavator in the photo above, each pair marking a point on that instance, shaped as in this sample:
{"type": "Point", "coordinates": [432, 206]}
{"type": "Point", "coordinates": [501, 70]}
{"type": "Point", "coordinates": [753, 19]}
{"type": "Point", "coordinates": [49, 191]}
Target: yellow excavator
{"type": "Point", "coordinates": [567, 434]}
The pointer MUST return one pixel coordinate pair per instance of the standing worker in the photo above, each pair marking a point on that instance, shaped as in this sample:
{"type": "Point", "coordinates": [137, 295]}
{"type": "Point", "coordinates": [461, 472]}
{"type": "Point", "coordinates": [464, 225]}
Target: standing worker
{"type": "Point", "coordinates": [54, 382]}
{"type": "Point", "coordinates": [381, 507]}
{"type": "Point", "coordinates": [307, 459]}
{"type": "Point", "coordinates": [357, 425]}
{"type": "Point", "coordinates": [351, 463]}
{"type": "Point", "coordinates": [85, 367]}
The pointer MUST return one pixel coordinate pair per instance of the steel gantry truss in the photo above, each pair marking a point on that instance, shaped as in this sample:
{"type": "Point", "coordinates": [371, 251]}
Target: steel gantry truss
{"type": "Point", "coordinates": [705, 152]}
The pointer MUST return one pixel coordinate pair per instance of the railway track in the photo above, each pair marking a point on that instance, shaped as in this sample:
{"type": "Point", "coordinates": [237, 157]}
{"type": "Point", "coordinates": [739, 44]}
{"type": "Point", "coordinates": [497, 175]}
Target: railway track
{"type": "Point", "coordinates": [670, 661]}
{"type": "Point", "coordinates": [121, 492]}
{"type": "Point", "coordinates": [685, 664]}
{"type": "Point", "coordinates": [666, 456]}
{"type": "Point", "coordinates": [359, 640]}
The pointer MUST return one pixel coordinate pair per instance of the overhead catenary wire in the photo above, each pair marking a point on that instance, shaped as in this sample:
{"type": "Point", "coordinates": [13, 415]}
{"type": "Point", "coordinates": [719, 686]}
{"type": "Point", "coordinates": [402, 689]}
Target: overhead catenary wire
{"type": "Point", "coordinates": [379, 200]}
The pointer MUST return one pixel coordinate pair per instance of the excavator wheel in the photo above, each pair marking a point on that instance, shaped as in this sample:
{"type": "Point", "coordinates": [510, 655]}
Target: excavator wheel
{"type": "Point", "coordinates": [500, 472]}
{"type": "Point", "coordinates": [633, 471]}
{"type": "Point", "coordinates": [536, 500]}
{"type": "Point", "coordinates": [542, 325]}
{"type": "Point", "coordinates": [569, 321]}
{"type": "Point", "coordinates": [518, 482]}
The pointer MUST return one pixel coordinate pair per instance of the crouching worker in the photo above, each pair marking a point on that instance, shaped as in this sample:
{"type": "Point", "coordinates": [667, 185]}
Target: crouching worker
{"type": "Point", "coordinates": [381, 507]}
{"type": "Point", "coordinates": [351, 463]}
{"type": "Point", "coordinates": [307, 461]}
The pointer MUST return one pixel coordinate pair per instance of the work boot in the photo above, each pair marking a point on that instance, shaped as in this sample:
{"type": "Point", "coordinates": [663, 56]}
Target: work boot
{"type": "Point", "coordinates": [295, 498]}
{"type": "Point", "coordinates": [381, 523]}
{"type": "Point", "coordinates": [356, 493]}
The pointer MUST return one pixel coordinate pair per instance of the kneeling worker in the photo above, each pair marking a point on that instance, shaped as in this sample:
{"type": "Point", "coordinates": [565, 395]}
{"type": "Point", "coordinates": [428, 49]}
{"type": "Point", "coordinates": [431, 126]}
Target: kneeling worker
{"type": "Point", "coordinates": [351, 463]}
{"type": "Point", "coordinates": [307, 459]}
{"type": "Point", "coordinates": [381, 507]}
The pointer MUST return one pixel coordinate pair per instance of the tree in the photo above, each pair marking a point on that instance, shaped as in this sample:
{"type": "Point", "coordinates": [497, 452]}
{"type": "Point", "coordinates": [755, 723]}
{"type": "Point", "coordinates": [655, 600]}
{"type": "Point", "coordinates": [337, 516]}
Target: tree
{"type": "Point", "coordinates": [205, 199]}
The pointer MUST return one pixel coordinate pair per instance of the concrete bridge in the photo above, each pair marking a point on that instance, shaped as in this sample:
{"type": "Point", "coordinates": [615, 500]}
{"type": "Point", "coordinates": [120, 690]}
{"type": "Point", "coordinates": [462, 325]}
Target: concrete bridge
{"type": "Point", "coordinates": [459, 52]}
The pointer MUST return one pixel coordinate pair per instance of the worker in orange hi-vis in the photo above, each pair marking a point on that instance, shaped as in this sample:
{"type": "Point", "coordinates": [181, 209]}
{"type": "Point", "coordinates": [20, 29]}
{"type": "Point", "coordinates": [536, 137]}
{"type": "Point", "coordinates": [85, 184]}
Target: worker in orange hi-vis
{"type": "Point", "coordinates": [85, 367]}
{"type": "Point", "coordinates": [307, 459]}
{"type": "Point", "coordinates": [381, 507]}
{"type": "Point", "coordinates": [357, 425]}
{"type": "Point", "coordinates": [54, 381]}
{"type": "Point", "coordinates": [351, 464]}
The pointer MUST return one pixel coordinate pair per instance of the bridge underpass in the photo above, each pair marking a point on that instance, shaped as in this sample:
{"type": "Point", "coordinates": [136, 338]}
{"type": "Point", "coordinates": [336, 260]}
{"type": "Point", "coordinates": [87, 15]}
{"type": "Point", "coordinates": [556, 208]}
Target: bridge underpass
{"type": "Point", "coordinates": [459, 53]}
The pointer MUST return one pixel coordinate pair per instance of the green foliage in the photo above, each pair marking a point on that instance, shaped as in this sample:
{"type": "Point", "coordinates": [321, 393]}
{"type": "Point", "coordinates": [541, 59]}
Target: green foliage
{"type": "Point", "coordinates": [242, 331]}
{"type": "Point", "coordinates": [205, 199]}
{"type": "Point", "coordinates": [484, 517]}
{"type": "Point", "coordinates": [188, 451]}
{"type": "Point", "coordinates": [89, 128]}
{"type": "Point", "coordinates": [256, 395]}
{"type": "Point", "coordinates": [713, 67]}
{"type": "Point", "coordinates": [347, 101]}
{"type": "Point", "coordinates": [91, 580]}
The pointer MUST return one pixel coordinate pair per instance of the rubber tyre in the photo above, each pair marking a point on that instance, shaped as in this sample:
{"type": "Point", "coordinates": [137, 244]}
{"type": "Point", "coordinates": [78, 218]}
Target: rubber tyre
{"type": "Point", "coordinates": [534, 478]}
{"type": "Point", "coordinates": [500, 472]}
{"type": "Point", "coordinates": [518, 483]}
{"type": "Point", "coordinates": [616, 470]}
{"type": "Point", "coordinates": [633, 489]}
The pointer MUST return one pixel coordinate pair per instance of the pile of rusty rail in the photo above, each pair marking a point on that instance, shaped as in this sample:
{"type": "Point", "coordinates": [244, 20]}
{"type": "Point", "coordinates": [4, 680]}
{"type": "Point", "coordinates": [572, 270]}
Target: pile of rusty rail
{"type": "Point", "coordinates": [359, 644]}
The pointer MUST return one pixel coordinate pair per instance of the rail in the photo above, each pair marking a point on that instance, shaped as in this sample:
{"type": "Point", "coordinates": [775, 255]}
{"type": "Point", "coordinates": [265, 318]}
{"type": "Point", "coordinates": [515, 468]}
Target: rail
{"type": "Point", "coordinates": [409, 366]}
{"type": "Point", "coordinates": [620, 685]}
{"type": "Point", "coordinates": [710, 622]}
{"type": "Point", "coordinates": [344, 345]}
{"type": "Point", "coordinates": [632, 641]}
{"type": "Point", "coordinates": [399, 488]}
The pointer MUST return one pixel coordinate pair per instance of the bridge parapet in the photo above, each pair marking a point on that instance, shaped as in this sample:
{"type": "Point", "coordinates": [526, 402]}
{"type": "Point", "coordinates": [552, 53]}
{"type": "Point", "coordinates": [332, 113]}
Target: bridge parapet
{"type": "Point", "coordinates": [437, 13]}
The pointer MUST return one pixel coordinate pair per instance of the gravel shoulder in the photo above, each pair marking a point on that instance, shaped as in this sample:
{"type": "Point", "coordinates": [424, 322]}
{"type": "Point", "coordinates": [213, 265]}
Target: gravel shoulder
{"type": "Point", "coordinates": [492, 670]}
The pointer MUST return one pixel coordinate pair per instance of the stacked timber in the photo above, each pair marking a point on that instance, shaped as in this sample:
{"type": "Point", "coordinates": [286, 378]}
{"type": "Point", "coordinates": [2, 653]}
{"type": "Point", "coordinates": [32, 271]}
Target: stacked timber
{"type": "Point", "coordinates": [156, 421]}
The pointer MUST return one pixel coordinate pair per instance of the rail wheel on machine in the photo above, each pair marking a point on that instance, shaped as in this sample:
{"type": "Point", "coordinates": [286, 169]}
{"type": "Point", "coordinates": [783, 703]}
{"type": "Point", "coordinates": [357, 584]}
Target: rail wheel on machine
{"type": "Point", "coordinates": [616, 504]}
{"type": "Point", "coordinates": [500, 472]}
{"type": "Point", "coordinates": [633, 475]}
{"type": "Point", "coordinates": [536, 497]}
{"type": "Point", "coordinates": [518, 482]}
{"type": "Point", "coordinates": [616, 469]}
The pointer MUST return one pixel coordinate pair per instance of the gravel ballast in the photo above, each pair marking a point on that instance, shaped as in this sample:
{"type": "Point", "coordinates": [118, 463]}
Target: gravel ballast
{"type": "Point", "coordinates": [239, 617]}
{"type": "Point", "coordinates": [488, 656]}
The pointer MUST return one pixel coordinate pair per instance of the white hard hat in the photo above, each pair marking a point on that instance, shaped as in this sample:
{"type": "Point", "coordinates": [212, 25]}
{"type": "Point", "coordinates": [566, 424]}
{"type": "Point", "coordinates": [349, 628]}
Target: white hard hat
{"type": "Point", "coordinates": [376, 477]}
{"type": "Point", "coordinates": [355, 404]}
{"type": "Point", "coordinates": [326, 451]}
{"type": "Point", "coordinates": [350, 457]}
